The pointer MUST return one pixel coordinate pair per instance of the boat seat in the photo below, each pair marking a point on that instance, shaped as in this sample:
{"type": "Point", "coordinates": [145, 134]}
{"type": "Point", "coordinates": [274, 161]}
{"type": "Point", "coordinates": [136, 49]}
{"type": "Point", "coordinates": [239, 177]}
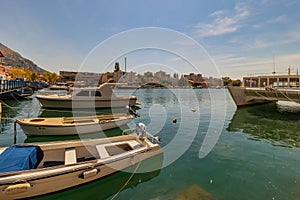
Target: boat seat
{"type": "Point", "coordinates": [102, 151]}
{"type": "Point", "coordinates": [70, 156]}
{"type": "Point", "coordinates": [134, 144]}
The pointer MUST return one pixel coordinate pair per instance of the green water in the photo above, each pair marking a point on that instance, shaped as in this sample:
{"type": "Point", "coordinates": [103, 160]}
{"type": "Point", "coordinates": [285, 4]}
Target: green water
{"type": "Point", "coordinates": [256, 154]}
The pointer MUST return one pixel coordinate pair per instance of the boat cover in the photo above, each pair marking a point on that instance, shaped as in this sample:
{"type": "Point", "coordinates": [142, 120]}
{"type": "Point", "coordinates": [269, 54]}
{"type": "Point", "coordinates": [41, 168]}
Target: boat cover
{"type": "Point", "coordinates": [17, 158]}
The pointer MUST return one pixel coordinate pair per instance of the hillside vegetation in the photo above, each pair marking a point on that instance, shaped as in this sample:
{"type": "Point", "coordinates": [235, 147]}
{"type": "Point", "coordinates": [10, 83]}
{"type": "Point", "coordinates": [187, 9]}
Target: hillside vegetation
{"type": "Point", "coordinates": [14, 59]}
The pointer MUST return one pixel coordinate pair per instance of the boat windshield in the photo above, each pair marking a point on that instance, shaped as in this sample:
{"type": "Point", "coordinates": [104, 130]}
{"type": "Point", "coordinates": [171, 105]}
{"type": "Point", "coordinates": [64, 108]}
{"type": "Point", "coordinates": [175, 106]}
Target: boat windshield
{"type": "Point", "coordinates": [96, 93]}
{"type": "Point", "coordinates": [83, 93]}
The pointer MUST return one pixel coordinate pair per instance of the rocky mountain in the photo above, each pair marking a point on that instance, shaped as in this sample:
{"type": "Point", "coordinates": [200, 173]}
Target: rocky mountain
{"type": "Point", "coordinates": [14, 59]}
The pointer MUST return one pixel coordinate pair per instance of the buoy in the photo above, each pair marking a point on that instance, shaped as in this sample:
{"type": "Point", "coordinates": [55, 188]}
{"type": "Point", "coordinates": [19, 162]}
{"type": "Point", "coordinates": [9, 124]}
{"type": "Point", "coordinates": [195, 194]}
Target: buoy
{"type": "Point", "coordinates": [174, 120]}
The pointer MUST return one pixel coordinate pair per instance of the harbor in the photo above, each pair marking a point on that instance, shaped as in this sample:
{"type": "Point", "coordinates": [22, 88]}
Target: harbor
{"type": "Point", "coordinates": [270, 168]}
{"type": "Point", "coordinates": [120, 100]}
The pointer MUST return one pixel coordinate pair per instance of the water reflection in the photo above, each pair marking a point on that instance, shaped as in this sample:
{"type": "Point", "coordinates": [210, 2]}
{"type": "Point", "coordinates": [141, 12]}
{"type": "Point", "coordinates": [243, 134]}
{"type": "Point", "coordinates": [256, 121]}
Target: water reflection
{"type": "Point", "coordinates": [101, 134]}
{"type": "Point", "coordinates": [157, 96]}
{"type": "Point", "coordinates": [273, 122]}
{"type": "Point", "coordinates": [195, 192]}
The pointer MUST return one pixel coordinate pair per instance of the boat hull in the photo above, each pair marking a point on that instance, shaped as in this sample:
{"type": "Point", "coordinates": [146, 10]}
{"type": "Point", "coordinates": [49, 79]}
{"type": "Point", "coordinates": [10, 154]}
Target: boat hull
{"type": "Point", "coordinates": [72, 125]}
{"type": "Point", "coordinates": [242, 98]}
{"type": "Point", "coordinates": [44, 130]}
{"type": "Point", "coordinates": [252, 96]}
{"type": "Point", "coordinates": [56, 183]}
{"type": "Point", "coordinates": [48, 180]}
{"type": "Point", "coordinates": [54, 103]}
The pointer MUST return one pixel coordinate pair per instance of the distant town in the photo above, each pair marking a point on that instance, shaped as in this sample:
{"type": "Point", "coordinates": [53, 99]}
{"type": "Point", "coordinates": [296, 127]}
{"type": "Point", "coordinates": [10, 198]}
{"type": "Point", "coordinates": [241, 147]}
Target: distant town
{"type": "Point", "coordinates": [14, 67]}
{"type": "Point", "coordinates": [158, 79]}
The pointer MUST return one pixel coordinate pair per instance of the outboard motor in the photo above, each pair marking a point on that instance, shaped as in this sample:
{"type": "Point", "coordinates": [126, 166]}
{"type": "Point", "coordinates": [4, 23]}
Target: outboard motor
{"type": "Point", "coordinates": [130, 111]}
{"type": "Point", "coordinates": [142, 133]}
{"type": "Point", "coordinates": [141, 130]}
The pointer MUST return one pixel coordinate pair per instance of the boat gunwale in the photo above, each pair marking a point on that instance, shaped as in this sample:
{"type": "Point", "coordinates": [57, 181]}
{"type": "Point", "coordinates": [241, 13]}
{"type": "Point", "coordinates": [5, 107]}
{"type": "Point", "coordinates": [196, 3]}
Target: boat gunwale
{"type": "Point", "coordinates": [96, 121]}
{"type": "Point", "coordinates": [34, 174]}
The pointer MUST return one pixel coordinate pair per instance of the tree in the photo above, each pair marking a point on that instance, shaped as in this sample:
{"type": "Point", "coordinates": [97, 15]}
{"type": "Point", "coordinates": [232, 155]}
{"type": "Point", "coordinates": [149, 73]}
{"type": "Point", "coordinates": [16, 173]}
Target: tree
{"type": "Point", "coordinates": [148, 74]}
{"type": "Point", "coordinates": [237, 82]}
{"type": "Point", "coordinates": [34, 76]}
{"type": "Point", "coordinates": [51, 78]}
{"type": "Point", "coordinates": [18, 73]}
{"type": "Point", "coordinates": [226, 81]}
{"type": "Point", "coordinates": [27, 74]}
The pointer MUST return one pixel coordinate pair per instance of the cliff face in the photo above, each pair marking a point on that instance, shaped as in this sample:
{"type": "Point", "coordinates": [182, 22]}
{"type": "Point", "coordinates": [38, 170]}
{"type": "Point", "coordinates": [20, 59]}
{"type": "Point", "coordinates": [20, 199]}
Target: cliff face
{"type": "Point", "coordinates": [14, 59]}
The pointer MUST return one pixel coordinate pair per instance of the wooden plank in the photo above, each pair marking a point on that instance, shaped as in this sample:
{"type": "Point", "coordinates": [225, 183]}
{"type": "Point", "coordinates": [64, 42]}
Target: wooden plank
{"type": "Point", "coordinates": [102, 151]}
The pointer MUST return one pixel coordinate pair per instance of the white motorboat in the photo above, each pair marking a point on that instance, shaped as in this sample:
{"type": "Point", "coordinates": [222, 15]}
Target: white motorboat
{"type": "Point", "coordinates": [35, 169]}
{"type": "Point", "coordinates": [72, 125]}
{"type": "Point", "coordinates": [87, 97]}
{"type": "Point", "coordinates": [59, 86]}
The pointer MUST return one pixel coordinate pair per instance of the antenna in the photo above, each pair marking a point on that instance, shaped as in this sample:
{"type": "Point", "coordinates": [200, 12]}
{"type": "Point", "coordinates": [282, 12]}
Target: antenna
{"type": "Point", "coordinates": [274, 72]}
{"type": "Point", "coordinates": [125, 75]}
{"type": "Point", "coordinates": [125, 65]}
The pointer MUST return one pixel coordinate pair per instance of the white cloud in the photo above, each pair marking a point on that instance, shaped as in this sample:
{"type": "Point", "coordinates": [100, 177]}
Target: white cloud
{"type": "Point", "coordinates": [278, 19]}
{"type": "Point", "coordinates": [218, 13]}
{"type": "Point", "coordinates": [236, 67]}
{"type": "Point", "coordinates": [222, 24]}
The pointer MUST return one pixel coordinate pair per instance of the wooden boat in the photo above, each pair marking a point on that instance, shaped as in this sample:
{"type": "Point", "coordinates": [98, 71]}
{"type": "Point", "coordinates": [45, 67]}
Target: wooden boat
{"type": "Point", "coordinates": [87, 97]}
{"type": "Point", "coordinates": [72, 125]}
{"type": "Point", "coordinates": [35, 169]}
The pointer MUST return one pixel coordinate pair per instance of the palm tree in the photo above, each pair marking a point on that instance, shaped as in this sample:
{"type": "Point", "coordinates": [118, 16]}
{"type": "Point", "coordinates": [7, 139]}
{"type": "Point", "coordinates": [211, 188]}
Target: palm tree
{"type": "Point", "coordinates": [52, 78]}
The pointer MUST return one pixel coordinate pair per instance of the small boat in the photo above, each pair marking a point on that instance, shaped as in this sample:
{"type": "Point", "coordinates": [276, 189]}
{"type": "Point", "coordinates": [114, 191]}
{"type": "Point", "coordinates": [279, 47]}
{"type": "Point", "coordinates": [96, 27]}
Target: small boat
{"type": "Point", "coordinates": [25, 92]}
{"type": "Point", "coordinates": [59, 86]}
{"type": "Point", "coordinates": [126, 86]}
{"type": "Point", "coordinates": [34, 169]}
{"type": "Point", "coordinates": [87, 97]}
{"type": "Point", "coordinates": [152, 85]}
{"type": "Point", "coordinates": [72, 125]}
{"type": "Point", "coordinates": [19, 93]}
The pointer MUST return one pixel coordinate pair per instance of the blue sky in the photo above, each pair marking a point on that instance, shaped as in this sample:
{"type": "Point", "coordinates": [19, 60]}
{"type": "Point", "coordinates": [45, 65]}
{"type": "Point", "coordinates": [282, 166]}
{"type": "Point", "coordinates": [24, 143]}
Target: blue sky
{"type": "Point", "coordinates": [215, 38]}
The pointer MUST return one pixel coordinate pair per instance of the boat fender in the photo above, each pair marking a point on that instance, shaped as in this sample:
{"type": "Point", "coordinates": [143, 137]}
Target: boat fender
{"type": "Point", "coordinates": [17, 188]}
{"type": "Point", "coordinates": [89, 173]}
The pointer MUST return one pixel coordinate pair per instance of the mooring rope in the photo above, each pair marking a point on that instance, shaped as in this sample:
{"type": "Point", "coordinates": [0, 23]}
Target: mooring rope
{"type": "Point", "coordinates": [5, 104]}
{"type": "Point", "coordinates": [275, 92]}
{"type": "Point", "coordinates": [258, 94]}
{"type": "Point", "coordinates": [126, 183]}
{"type": "Point", "coordinates": [7, 118]}
{"type": "Point", "coordinates": [14, 97]}
{"type": "Point", "coordinates": [287, 96]}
